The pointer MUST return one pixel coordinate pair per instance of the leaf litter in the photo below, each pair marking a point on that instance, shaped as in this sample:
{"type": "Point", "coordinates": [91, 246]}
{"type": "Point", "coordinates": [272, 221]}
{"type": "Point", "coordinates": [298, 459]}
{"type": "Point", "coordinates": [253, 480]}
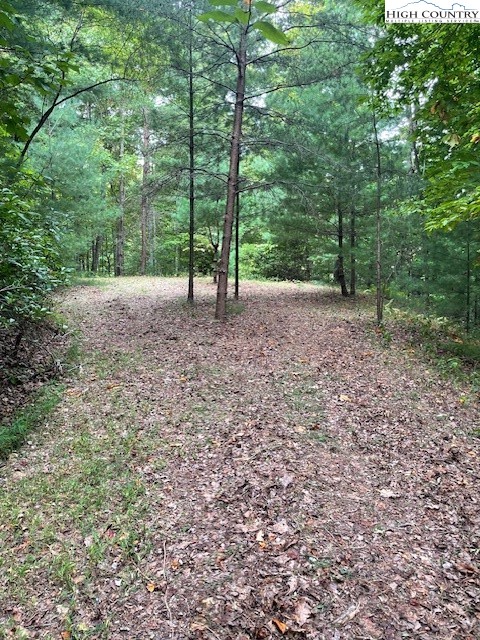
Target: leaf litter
{"type": "Point", "coordinates": [282, 475]}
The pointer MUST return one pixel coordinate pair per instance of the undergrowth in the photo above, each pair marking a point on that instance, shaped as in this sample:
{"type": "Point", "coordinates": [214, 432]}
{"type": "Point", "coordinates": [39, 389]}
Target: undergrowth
{"type": "Point", "coordinates": [452, 350]}
{"type": "Point", "coordinates": [15, 433]}
{"type": "Point", "coordinates": [31, 379]}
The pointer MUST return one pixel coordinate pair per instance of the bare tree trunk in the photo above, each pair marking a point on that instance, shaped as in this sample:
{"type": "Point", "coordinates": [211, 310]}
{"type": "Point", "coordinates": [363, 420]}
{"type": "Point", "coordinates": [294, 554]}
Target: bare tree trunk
{"type": "Point", "coordinates": [215, 264]}
{"type": "Point", "coordinates": [215, 243]}
{"type": "Point", "coordinates": [96, 248]}
{"type": "Point", "coordinates": [221, 306]}
{"type": "Point", "coordinates": [339, 267]}
{"type": "Point", "coordinates": [412, 130]}
{"type": "Point", "coordinates": [191, 169]}
{"type": "Point", "coordinates": [353, 266]}
{"type": "Point", "coordinates": [152, 232]}
{"type": "Point", "coordinates": [468, 283]}
{"type": "Point", "coordinates": [145, 201]}
{"type": "Point", "coordinates": [237, 245]}
{"type": "Point", "coordinates": [378, 207]}
{"type": "Point", "coordinates": [119, 258]}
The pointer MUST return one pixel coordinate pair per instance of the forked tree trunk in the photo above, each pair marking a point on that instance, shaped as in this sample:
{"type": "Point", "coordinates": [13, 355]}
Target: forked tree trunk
{"type": "Point", "coordinates": [221, 306]}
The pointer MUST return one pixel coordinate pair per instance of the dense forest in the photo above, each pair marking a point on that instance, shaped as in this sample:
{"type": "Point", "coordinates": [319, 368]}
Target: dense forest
{"type": "Point", "coordinates": [305, 139]}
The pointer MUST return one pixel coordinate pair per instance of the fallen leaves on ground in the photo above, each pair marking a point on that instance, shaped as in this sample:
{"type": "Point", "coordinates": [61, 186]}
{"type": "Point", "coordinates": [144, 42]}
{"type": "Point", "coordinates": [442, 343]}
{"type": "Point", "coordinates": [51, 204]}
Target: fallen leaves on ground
{"type": "Point", "coordinates": [282, 475]}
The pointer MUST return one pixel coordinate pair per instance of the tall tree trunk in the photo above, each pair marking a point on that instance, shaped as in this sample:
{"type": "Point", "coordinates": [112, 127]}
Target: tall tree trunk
{"type": "Point", "coordinates": [119, 258]}
{"type": "Point", "coordinates": [237, 244]}
{"type": "Point", "coordinates": [469, 282]}
{"type": "Point", "coordinates": [96, 248]}
{"type": "Point", "coordinates": [191, 168]}
{"type": "Point", "coordinates": [152, 232]}
{"type": "Point", "coordinates": [215, 264]}
{"type": "Point", "coordinates": [177, 260]}
{"type": "Point", "coordinates": [378, 217]}
{"type": "Point", "coordinates": [353, 266]}
{"type": "Point", "coordinates": [340, 267]}
{"type": "Point", "coordinates": [221, 305]}
{"type": "Point", "coordinates": [145, 200]}
{"type": "Point", "coordinates": [412, 130]}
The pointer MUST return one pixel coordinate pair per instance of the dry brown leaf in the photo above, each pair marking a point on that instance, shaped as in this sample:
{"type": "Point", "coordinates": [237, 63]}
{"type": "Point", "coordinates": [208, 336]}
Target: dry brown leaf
{"type": "Point", "coordinates": [466, 567]}
{"type": "Point", "coordinates": [151, 587]}
{"type": "Point", "coordinates": [347, 615]}
{"type": "Point", "coordinates": [303, 611]}
{"type": "Point", "coordinates": [281, 527]}
{"type": "Point", "coordinates": [281, 626]}
{"type": "Point", "coordinates": [199, 624]}
{"type": "Point", "coordinates": [75, 393]}
{"type": "Point", "coordinates": [292, 584]}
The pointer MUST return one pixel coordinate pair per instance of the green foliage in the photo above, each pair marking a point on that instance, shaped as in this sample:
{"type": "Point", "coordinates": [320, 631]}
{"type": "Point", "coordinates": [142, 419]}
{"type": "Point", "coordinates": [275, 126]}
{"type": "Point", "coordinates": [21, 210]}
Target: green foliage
{"type": "Point", "coordinates": [217, 16]}
{"type": "Point", "coordinates": [289, 260]}
{"type": "Point", "coordinates": [307, 158]}
{"type": "Point", "coordinates": [410, 67]}
{"type": "Point", "coordinates": [30, 267]}
{"type": "Point", "coordinates": [240, 16]}
{"type": "Point", "coordinates": [270, 32]}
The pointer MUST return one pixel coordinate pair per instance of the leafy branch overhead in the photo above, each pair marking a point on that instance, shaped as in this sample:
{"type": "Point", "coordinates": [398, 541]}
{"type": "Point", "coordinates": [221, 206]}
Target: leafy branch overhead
{"type": "Point", "coordinates": [247, 14]}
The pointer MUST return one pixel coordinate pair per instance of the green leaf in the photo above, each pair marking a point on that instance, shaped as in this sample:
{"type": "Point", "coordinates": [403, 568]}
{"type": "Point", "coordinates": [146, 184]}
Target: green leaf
{"type": "Point", "coordinates": [265, 7]}
{"type": "Point", "coordinates": [223, 3]}
{"type": "Point", "coordinates": [241, 16]}
{"type": "Point", "coordinates": [217, 16]}
{"type": "Point", "coordinates": [270, 32]}
{"type": "Point", "coordinates": [6, 22]}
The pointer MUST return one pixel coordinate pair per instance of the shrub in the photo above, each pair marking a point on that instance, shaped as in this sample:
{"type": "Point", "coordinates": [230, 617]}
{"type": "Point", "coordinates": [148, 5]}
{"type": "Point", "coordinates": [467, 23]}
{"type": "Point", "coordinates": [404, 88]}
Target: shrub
{"type": "Point", "coordinates": [30, 266]}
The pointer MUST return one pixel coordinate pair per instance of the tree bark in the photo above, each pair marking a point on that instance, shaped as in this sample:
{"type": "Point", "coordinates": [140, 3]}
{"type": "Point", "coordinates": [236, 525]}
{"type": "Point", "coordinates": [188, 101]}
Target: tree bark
{"type": "Point", "coordinates": [237, 245]}
{"type": "Point", "coordinates": [339, 268]}
{"type": "Point", "coordinates": [191, 169]}
{"type": "Point", "coordinates": [378, 216]}
{"type": "Point", "coordinates": [96, 248]}
{"type": "Point", "coordinates": [145, 200]}
{"type": "Point", "coordinates": [468, 283]}
{"type": "Point", "coordinates": [119, 259]}
{"type": "Point", "coordinates": [221, 305]}
{"type": "Point", "coordinates": [353, 266]}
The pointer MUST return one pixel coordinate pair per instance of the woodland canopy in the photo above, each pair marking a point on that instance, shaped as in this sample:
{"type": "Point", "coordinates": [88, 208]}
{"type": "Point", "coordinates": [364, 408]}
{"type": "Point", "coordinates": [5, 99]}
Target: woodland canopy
{"type": "Point", "coordinates": [342, 150]}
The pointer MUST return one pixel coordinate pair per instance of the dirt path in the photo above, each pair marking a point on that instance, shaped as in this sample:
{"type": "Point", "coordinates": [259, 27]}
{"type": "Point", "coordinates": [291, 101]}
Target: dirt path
{"type": "Point", "coordinates": [284, 475]}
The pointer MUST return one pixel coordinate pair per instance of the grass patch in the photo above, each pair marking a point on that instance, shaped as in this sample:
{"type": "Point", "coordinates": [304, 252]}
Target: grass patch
{"type": "Point", "coordinates": [14, 434]}
{"type": "Point", "coordinates": [90, 281]}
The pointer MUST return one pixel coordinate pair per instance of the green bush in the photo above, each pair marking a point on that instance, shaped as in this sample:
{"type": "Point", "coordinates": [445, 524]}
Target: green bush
{"type": "Point", "coordinates": [282, 261]}
{"type": "Point", "coordinates": [29, 261]}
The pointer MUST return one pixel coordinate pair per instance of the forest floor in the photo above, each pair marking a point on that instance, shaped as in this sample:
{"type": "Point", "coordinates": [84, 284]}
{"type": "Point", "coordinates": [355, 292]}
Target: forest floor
{"type": "Point", "coordinates": [287, 474]}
